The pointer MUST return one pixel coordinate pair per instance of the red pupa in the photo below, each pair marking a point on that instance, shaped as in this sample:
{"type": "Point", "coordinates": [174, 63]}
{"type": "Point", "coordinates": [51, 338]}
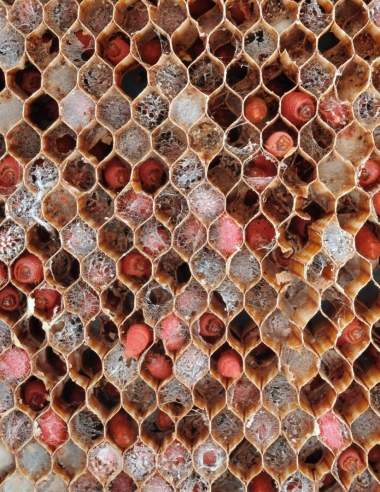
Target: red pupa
{"type": "Point", "coordinates": [9, 298]}
{"type": "Point", "coordinates": [150, 51]}
{"type": "Point", "coordinates": [255, 109]}
{"type": "Point", "coordinates": [116, 49]}
{"type": "Point", "coordinates": [163, 421]}
{"type": "Point", "coordinates": [230, 235]}
{"type": "Point", "coordinates": [53, 429]}
{"type": "Point", "coordinates": [331, 431]}
{"type": "Point", "coordinates": [260, 233]}
{"type": "Point", "coordinates": [261, 171]}
{"type": "Point", "coordinates": [229, 364]}
{"type": "Point", "coordinates": [159, 366]}
{"type": "Point", "coordinates": [151, 174]}
{"type": "Point", "coordinates": [279, 144]}
{"type": "Point", "coordinates": [14, 365]}
{"type": "Point", "coordinates": [171, 332]}
{"type": "Point", "coordinates": [376, 202]}
{"type": "Point", "coordinates": [46, 298]}
{"type": "Point", "coordinates": [298, 108]}
{"type": "Point", "coordinates": [122, 431]}
{"type": "Point", "coordinates": [10, 173]}
{"type": "Point", "coordinates": [369, 172]}
{"type": "Point", "coordinates": [210, 325]}
{"type": "Point", "coordinates": [28, 270]}
{"type": "Point", "coordinates": [352, 333]}
{"type": "Point", "coordinates": [35, 395]}
{"type": "Point", "coordinates": [367, 244]}
{"type": "Point", "coordinates": [138, 337]}
{"type": "Point", "coordinates": [115, 174]}
{"type": "Point", "coordinates": [136, 265]}
{"type": "Point", "coordinates": [3, 274]}
{"type": "Point", "coordinates": [30, 80]}
{"type": "Point", "coordinates": [261, 483]}
{"type": "Point", "coordinates": [350, 461]}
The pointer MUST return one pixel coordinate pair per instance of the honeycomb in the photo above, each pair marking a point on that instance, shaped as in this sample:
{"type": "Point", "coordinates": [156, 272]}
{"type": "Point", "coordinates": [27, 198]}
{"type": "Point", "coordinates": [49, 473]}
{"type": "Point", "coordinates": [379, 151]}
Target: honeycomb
{"type": "Point", "coordinates": [303, 398]}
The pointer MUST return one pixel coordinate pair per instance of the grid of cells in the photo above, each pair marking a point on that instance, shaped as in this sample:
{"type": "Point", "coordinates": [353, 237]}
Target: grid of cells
{"type": "Point", "coordinates": [135, 191]}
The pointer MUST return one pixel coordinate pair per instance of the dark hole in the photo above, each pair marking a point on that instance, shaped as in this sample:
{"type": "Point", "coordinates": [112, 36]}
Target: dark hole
{"type": "Point", "coordinates": [134, 81]}
{"type": "Point", "coordinates": [183, 273]}
{"type": "Point", "coordinates": [314, 457]}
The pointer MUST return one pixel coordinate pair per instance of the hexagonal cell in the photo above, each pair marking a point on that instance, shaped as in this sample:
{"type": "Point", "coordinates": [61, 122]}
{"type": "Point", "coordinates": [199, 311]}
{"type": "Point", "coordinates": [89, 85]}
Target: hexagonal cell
{"type": "Point", "coordinates": [138, 398]}
{"type": "Point", "coordinates": [150, 45]}
{"type": "Point", "coordinates": [299, 302]}
{"type": "Point", "coordinates": [24, 207]}
{"type": "Point", "coordinates": [42, 46]}
{"type": "Point", "coordinates": [279, 458]}
{"type": "Point", "coordinates": [243, 76]}
{"type": "Point", "coordinates": [52, 364]}
{"type": "Point", "coordinates": [310, 395]}
{"type": "Point", "coordinates": [242, 140]}
{"type": "Point", "coordinates": [96, 142]}
{"type": "Point", "coordinates": [336, 174]}
{"type": "Point", "coordinates": [83, 300]}
{"type": "Point", "coordinates": [171, 207]}
{"type": "Point", "coordinates": [315, 16]}
{"type": "Point", "coordinates": [78, 45]}
{"type": "Point", "coordinates": [132, 142]}
{"type": "Point", "coordinates": [17, 481]}
{"type": "Point", "coordinates": [95, 15]}
{"type": "Point", "coordinates": [150, 110]}
{"type": "Point", "coordinates": [351, 17]}
{"type": "Point", "coordinates": [10, 110]}
{"type": "Point", "coordinates": [23, 142]}
{"type": "Point", "coordinates": [87, 479]}
{"type": "Point", "coordinates": [187, 172]}
{"type": "Point", "coordinates": [42, 111]}
{"type": "Point", "coordinates": [245, 460]}
{"type": "Point", "coordinates": [95, 77]}
{"type": "Point", "coordinates": [243, 397]}
{"type": "Point", "coordinates": [334, 112]}
{"type": "Point", "coordinates": [242, 203]}
{"type": "Point", "coordinates": [207, 14]}
{"type": "Point", "coordinates": [25, 17]}
{"type": "Point", "coordinates": [335, 47]}
{"type": "Point", "coordinates": [105, 461]}
{"type": "Point", "coordinates": [96, 207]}
{"type": "Point", "coordinates": [131, 78]}
{"type": "Point", "coordinates": [64, 269]}
{"type": "Point", "coordinates": [98, 269]}
{"type": "Point", "coordinates": [206, 74]}
{"type": "Point", "coordinates": [190, 236]}
{"type": "Point", "coordinates": [70, 460]}
{"type": "Point", "coordinates": [60, 207]}
{"type": "Point", "coordinates": [187, 44]}
{"type": "Point", "coordinates": [79, 238]}
{"type": "Point", "coordinates": [115, 238]}
{"type": "Point", "coordinates": [61, 16]}
{"type": "Point", "coordinates": [169, 76]}
{"type": "Point", "coordinates": [13, 47]}
{"type": "Point", "coordinates": [170, 141]}
{"type": "Point", "coordinates": [133, 457]}
{"type": "Point", "coordinates": [79, 174]}
{"type": "Point", "coordinates": [209, 393]}
{"type": "Point", "coordinates": [366, 108]}
{"type": "Point", "coordinates": [66, 333]}
{"type": "Point", "coordinates": [59, 78]}
{"type": "Point", "coordinates": [134, 207]}
{"type": "Point", "coordinates": [77, 110]}
{"type": "Point", "coordinates": [16, 429]}
{"type": "Point", "coordinates": [242, 14]}
{"type": "Point", "coordinates": [175, 398]}
{"type": "Point", "coordinates": [210, 468]}
{"type": "Point", "coordinates": [86, 428]}
{"type": "Point", "coordinates": [224, 107]}
{"type": "Point", "coordinates": [317, 75]}
{"type": "Point", "coordinates": [8, 464]}
{"type": "Point", "coordinates": [336, 370]}
{"type": "Point", "coordinates": [175, 463]}
{"type": "Point", "coordinates": [353, 143]}
{"type": "Point", "coordinates": [224, 44]}
{"type": "Point", "coordinates": [169, 17]}
{"type": "Point", "coordinates": [261, 364]}
{"type": "Point", "coordinates": [84, 365]}
{"type": "Point", "coordinates": [59, 142]}
{"type": "Point", "coordinates": [102, 333]}
{"type": "Point", "coordinates": [34, 460]}
{"type": "Point", "coordinates": [299, 44]}
{"type": "Point", "coordinates": [279, 396]}
{"type": "Point", "coordinates": [41, 175]}
{"type": "Point", "coordinates": [224, 172]}
{"type": "Point", "coordinates": [113, 109]}
{"type": "Point", "coordinates": [193, 427]}
{"type": "Point", "coordinates": [279, 15]}
{"type": "Point", "coordinates": [298, 426]}
{"type": "Point", "coordinates": [43, 242]}
{"type": "Point", "coordinates": [260, 43]}
{"type": "Point", "coordinates": [352, 210]}
{"type": "Point", "coordinates": [353, 79]}
{"type": "Point", "coordinates": [151, 175]}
